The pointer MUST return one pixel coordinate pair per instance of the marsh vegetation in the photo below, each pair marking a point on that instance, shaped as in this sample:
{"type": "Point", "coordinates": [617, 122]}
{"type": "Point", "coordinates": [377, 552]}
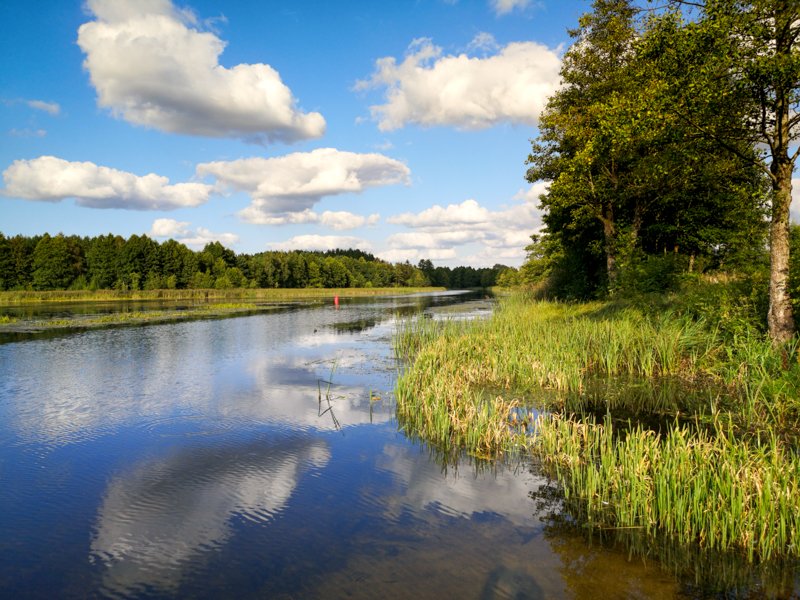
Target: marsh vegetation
{"type": "Point", "coordinates": [649, 417]}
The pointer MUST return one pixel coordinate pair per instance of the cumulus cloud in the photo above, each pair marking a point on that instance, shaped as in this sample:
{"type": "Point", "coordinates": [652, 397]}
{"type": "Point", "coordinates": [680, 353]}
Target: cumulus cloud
{"type": "Point", "coordinates": [166, 228]}
{"type": "Point", "coordinates": [202, 236]}
{"type": "Point", "coordinates": [533, 193]}
{"type": "Point", "coordinates": [284, 189]}
{"type": "Point", "coordinates": [412, 255]}
{"type": "Point", "coordinates": [339, 220]}
{"type": "Point", "coordinates": [499, 235]}
{"type": "Point", "coordinates": [468, 212]}
{"type": "Point", "coordinates": [321, 242]}
{"type": "Point", "coordinates": [180, 232]}
{"type": "Point", "coordinates": [152, 66]}
{"type": "Point", "coordinates": [53, 179]}
{"type": "Point", "coordinates": [430, 88]}
{"type": "Point", "coordinates": [503, 7]}
{"type": "Point", "coordinates": [342, 220]}
{"type": "Point", "coordinates": [51, 108]}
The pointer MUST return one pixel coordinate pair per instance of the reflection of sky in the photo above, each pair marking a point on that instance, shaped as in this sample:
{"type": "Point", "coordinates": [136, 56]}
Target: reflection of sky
{"type": "Point", "coordinates": [262, 368]}
{"type": "Point", "coordinates": [160, 515]}
{"type": "Point", "coordinates": [461, 491]}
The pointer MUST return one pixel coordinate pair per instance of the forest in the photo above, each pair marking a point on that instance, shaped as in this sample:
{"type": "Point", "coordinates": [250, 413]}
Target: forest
{"type": "Point", "coordinates": [62, 262]}
{"type": "Point", "coordinates": [670, 149]}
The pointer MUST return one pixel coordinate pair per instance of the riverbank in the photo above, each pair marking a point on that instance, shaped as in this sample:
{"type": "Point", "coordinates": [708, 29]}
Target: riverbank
{"type": "Point", "coordinates": [10, 298]}
{"type": "Point", "coordinates": [188, 305]}
{"type": "Point", "coordinates": [647, 419]}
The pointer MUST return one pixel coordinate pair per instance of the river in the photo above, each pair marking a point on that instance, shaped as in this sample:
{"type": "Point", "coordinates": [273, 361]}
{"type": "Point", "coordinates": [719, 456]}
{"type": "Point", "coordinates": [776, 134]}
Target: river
{"type": "Point", "coordinates": [259, 457]}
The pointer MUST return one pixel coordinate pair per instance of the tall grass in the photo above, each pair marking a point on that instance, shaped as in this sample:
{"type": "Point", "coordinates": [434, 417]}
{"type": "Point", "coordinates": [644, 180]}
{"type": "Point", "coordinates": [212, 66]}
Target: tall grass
{"type": "Point", "coordinates": [724, 473]}
{"type": "Point", "coordinates": [716, 489]}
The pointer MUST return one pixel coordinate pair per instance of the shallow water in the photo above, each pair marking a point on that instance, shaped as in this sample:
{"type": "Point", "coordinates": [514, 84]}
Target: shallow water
{"type": "Point", "coordinates": [214, 459]}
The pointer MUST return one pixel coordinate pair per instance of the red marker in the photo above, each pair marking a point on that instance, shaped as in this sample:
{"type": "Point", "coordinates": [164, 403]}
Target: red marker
{"type": "Point", "coordinates": [336, 300]}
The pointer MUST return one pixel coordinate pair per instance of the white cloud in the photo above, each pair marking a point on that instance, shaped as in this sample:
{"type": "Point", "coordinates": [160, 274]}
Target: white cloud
{"type": "Point", "coordinates": [53, 179]}
{"type": "Point", "coordinates": [51, 108]}
{"type": "Point", "coordinates": [321, 242]}
{"type": "Point", "coordinates": [794, 209]}
{"type": "Point", "coordinates": [203, 236]}
{"type": "Point", "coordinates": [180, 232]}
{"type": "Point", "coordinates": [499, 235]}
{"type": "Point", "coordinates": [428, 88]}
{"type": "Point", "coordinates": [468, 212]}
{"type": "Point", "coordinates": [503, 7]}
{"type": "Point", "coordinates": [532, 193]}
{"type": "Point", "coordinates": [151, 66]}
{"type": "Point", "coordinates": [396, 255]}
{"type": "Point", "coordinates": [341, 220]}
{"type": "Point", "coordinates": [430, 240]}
{"type": "Point", "coordinates": [287, 187]}
{"type": "Point", "coordinates": [166, 228]}
{"type": "Point", "coordinates": [483, 42]}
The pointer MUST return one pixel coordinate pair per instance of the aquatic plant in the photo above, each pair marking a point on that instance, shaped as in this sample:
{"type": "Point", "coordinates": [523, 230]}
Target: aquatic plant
{"type": "Point", "coordinates": [720, 468]}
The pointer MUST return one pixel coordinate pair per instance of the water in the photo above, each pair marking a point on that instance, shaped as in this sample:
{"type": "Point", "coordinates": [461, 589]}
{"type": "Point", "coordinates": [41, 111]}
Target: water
{"type": "Point", "coordinates": [213, 459]}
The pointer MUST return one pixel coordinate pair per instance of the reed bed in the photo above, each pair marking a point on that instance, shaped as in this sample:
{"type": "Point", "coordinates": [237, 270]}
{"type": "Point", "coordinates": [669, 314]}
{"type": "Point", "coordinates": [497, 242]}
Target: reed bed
{"type": "Point", "coordinates": [725, 475]}
{"type": "Point", "coordinates": [714, 489]}
{"type": "Point", "coordinates": [269, 294]}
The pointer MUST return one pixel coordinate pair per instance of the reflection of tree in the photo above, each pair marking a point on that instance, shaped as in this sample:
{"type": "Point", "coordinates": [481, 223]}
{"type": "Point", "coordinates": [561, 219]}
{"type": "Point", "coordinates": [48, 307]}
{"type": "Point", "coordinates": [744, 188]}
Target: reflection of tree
{"type": "Point", "coordinates": [587, 557]}
{"type": "Point", "coordinates": [158, 518]}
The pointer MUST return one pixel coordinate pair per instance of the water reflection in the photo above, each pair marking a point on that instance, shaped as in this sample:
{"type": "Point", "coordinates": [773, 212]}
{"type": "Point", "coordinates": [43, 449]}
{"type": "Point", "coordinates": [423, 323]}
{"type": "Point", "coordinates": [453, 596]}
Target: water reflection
{"type": "Point", "coordinates": [156, 518]}
{"type": "Point", "coordinates": [197, 460]}
{"type": "Point", "coordinates": [262, 368]}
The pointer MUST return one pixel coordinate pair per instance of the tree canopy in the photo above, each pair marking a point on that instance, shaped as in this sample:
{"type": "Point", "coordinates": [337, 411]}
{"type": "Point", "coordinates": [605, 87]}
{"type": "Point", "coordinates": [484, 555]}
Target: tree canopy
{"type": "Point", "coordinates": [111, 262]}
{"type": "Point", "coordinates": [674, 132]}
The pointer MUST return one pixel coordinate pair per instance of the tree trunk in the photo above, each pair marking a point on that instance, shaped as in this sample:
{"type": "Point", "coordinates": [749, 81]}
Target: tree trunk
{"type": "Point", "coordinates": [610, 238]}
{"type": "Point", "coordinates": [779, 318]}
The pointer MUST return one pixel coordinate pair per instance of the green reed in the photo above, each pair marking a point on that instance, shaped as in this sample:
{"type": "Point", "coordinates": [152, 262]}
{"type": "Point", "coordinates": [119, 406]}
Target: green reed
{"type": "Point", "coordinates": [261, 294]}
{"type": "Point", "coordinates": [724, 475]}
{"type": "Point", "coordinates": [715, 489]}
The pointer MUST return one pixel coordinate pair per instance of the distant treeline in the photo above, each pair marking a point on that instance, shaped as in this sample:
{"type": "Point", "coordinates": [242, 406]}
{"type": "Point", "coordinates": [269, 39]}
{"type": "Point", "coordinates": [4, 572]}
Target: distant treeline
{"type": "Point", "coordinates": [139, 263]}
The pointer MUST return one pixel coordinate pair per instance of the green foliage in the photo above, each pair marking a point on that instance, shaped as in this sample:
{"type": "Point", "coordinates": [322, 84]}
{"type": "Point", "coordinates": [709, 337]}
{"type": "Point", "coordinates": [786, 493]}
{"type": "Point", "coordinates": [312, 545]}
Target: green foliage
{"type": "Point", "coordinates": [632, 180]}
{"type": "Point", "coordinates": [140, 263]}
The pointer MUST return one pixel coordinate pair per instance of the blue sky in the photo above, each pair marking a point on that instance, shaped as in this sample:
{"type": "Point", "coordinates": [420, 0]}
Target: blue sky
{"type": "Point", "coordinates": [397, 127]}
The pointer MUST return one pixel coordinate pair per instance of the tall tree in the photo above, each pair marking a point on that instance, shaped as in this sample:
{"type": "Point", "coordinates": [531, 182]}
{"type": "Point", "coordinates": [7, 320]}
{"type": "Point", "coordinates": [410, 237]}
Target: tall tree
{"type": "Point", "coordinates": [744, 55]}
{"type": "Point", "coordinates": [574, 150]}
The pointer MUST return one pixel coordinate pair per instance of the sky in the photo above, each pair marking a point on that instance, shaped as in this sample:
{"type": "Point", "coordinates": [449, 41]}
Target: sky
{"type": "Point", "coordinates": [400, 128]}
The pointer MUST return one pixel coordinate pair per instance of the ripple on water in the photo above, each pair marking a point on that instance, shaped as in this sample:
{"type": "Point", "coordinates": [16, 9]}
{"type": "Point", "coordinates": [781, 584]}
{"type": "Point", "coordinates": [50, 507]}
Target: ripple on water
{"type": "Point", "coordinates": [160, 516]}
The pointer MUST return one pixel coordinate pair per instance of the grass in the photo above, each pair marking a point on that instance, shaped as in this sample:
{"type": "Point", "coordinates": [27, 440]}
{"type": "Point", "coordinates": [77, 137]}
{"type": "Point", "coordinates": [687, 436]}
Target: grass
{"type": "Point", "coordinates": [210, 304]}
{"type": "Point", "coordinates": [36, 297]}
{"type": "Point", "coordinates": [218, 310]}
{"type": "Point", "coordinates": [720, 468]}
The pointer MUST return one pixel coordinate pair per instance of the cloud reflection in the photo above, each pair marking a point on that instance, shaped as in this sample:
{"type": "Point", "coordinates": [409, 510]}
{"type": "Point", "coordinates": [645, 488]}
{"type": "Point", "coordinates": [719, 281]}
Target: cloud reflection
{"type": "Point", "coordinates": [262, 369]}
{"type": "Point", "coordinates": [157, 518]}
{"type": "Point", "coordinates": [461, 491]}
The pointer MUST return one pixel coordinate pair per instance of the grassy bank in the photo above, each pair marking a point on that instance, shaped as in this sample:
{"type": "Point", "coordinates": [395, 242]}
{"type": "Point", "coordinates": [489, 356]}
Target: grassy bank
{"type": "Point", "coordinates": [263, 295]}
{"type": "Point", "coordinates": [202, 304]}
{"type": "Point", "coordinates": [135, 317]}
{"type": "Point", "coordinates": [719, 466]}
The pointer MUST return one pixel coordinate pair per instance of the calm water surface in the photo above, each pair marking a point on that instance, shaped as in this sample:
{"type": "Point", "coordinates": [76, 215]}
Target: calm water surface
{"type": "Point", "coordinates": [212, 459]}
